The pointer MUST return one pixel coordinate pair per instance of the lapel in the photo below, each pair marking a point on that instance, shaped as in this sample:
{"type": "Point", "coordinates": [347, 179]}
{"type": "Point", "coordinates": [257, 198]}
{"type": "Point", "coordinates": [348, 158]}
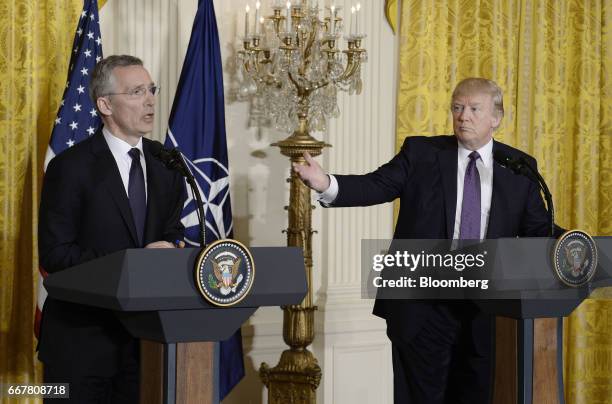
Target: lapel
{"type": "Point", "coordinates": [447, 161]}
{"type": "Point", "coordinates": [154, 192]}
{"type": "Point", "coordinates": [501, 178]}
{"type": "Point", "coordinates": [108, 175]}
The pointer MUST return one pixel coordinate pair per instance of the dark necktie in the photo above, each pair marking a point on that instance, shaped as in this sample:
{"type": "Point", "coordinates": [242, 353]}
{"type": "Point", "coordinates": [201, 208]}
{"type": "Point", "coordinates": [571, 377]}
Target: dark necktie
{"type": "Point", "coordinates": [136, 194]}
{"type": "Point", "coordinates": [470, 207]}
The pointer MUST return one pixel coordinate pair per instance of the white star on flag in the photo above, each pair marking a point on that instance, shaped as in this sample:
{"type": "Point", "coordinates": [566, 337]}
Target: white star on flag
{"type": "Point", "coordinates": [79, 31]}
{"type": "Point", "coordinates": [99, 41]}
{"type": "Point", "coordinates": [93, 112]}
{"type": "Point", "coordinates": [74, 125]}
{"type": "Point", "coordinates": [70, 143]}
{"type": "Point", "coordinates": [90, 35]}
{"type": "Point", "coordinates": [81, 89]}
{"type": "Point", "coordinates": [87, 53]}
{"type": "Point", "coordinates": [84, 14]}
{"type": "Point", "coordinates": [91, 131]}
{"type": "Point", "coordinates": [58, 120]}
{"type": "Point", "coordinates": [77, 107]}
{"type": "Point", "coordinates": [84, 71]}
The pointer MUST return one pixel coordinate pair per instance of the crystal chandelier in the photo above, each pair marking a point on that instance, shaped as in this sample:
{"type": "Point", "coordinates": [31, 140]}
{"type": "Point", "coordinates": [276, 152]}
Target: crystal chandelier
{"type": "Point", "coordinates": [292, 71]}
{"type": "Point", "coordinates": [291, 65]}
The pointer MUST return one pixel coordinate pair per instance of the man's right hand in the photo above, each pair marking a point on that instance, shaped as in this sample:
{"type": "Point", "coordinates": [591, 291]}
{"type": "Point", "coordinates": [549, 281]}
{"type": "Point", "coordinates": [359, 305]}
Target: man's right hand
{"type": "Point", "coordinates": [312, 174]}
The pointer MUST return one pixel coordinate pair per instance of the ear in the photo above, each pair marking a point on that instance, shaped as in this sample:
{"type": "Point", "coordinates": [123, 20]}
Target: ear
{"type": "Point", "coordinates": [496, 121]}
{"type": "Point", "coordinates": [104, 106]}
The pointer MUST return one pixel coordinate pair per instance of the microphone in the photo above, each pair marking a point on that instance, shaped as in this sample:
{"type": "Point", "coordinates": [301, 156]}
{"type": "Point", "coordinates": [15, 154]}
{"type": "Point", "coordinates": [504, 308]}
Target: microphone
{"type": "Point", "coordinates": [520, 166]}
{"type": "Point", "coordinates": [173, 160]}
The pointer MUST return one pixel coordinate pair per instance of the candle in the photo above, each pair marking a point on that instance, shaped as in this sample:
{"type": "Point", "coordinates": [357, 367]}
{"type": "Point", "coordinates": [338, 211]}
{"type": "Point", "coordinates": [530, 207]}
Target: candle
{"type": "Point", "coordinates": [257, 5]}
{"type": "Point", "coordinates": [246, 21]}
{"type": "Point", "coordinates": [352, 29]}
{"type": "Point", "coordinates": [263, 32]}
{"type": "Point", "coordinates": [332, 19]}
{"type": "Point", "coordinates": [288, 17]}
{"type": "Point", "coordinates": [357, 14]}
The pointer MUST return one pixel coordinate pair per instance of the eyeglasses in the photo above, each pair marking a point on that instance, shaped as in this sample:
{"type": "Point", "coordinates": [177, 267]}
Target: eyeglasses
{"type": "Point", "coordinates": [140, 92]}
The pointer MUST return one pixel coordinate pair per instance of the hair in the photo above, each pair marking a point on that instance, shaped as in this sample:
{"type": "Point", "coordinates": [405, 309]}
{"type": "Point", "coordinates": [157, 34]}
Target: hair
{"type": "Point", "coordinates": [102, 77]}
{"type": "Point", "coordinates": [477, 85]}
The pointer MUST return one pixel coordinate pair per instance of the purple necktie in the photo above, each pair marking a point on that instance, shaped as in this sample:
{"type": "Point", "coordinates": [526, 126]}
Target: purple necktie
{"type": "Point", "coordinates": [136, 193]}
{"type": "Point", "coordinates": [470, 207]}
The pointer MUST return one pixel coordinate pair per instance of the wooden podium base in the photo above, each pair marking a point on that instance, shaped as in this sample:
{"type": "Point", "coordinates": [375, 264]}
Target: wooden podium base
{"type": "Point", "coordinates": [177, 373]}
{"type": "Point", "coordinates": [546, 375]}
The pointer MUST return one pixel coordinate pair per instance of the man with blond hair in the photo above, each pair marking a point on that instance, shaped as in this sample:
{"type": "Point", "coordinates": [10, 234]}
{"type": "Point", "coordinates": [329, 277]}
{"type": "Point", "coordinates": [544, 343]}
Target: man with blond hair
{"type": "Point", "coordinates": [449, 187]}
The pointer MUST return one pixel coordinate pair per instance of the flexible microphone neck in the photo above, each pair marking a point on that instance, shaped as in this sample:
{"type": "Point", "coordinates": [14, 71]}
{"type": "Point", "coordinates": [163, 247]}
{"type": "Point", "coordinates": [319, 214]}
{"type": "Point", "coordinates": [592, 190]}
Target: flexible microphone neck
{"type": "Point", "coordinates": [173, 160]}
{"type": "Point", "coordinates": [520, 166]}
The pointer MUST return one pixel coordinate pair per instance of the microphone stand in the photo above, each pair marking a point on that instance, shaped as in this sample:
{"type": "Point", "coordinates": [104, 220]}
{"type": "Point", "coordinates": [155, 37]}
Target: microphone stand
{"type": "Point", "coordinates": [547, 195]}
{"type": "Point", "coordinates": [521, 166]}
{"type": "Point", "coordinates": [173, 159]}
{"type": "Point", "coordinates": [196, 194]}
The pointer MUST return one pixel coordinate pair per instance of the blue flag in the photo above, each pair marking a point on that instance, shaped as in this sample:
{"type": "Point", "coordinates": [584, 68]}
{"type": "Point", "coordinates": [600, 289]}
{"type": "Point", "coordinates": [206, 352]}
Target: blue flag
{"type": "Point", "coordinates": [77, 118]}
{"type": "Point", "coordinates": [197, 128]}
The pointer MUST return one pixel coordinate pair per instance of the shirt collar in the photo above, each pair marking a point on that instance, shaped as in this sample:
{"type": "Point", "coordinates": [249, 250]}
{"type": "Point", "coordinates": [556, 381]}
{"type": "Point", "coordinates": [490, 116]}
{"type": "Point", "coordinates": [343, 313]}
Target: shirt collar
{"type": "Point", "coordinates": [486, 152]}
{"type": "Point", "coordinates": [120, 146]}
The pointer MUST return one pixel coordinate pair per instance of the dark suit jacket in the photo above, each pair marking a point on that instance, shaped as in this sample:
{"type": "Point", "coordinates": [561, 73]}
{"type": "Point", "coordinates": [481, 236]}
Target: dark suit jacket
{"type": "Point", "coordinates": [85, 214]}
{"type": "Point", "coordinates": [424, 176]}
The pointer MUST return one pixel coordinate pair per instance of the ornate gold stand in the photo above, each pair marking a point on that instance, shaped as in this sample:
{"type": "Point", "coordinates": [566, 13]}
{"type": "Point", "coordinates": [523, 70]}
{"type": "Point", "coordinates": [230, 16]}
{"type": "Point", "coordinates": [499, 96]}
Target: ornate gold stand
{"type": "Point", "coordinates": [310, 41]}
{"type": "Point", "coordinates": [297, 375]}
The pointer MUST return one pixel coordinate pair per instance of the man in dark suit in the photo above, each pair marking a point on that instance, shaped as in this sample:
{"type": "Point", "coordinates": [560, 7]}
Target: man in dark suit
{"type": "Point", "coordinates": [105, 194]}
{"type": "Point", "coordinates": [449, 188]}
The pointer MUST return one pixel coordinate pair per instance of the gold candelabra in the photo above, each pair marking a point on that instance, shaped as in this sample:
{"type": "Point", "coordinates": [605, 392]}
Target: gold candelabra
{"type": "Point", "coordinates": [292, 64]}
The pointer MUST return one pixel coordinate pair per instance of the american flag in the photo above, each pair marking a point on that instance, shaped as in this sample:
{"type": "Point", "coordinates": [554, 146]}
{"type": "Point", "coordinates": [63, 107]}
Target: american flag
{"type": "Point", "coordinates": [77, 118]}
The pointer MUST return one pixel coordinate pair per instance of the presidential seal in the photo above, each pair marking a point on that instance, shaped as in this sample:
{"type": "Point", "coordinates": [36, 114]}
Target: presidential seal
{"type": "Point", "coordinates": [575, 258]}
{"type": "Point", "coordinates": [224, 272]}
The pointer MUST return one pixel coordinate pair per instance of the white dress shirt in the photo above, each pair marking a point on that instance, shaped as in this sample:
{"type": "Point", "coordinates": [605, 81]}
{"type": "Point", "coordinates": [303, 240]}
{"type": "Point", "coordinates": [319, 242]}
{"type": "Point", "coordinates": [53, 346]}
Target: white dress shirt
{"type": "Point", "coordinates": [120, 149]}
{"type": "Point", "coordinates": [485, 170]}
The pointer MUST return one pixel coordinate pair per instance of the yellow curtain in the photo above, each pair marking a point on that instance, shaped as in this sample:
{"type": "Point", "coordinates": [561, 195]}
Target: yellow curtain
{"type": "Point", "coordinates": [35, 42]}
{"type": "Point", "coordinates": [552, 59]}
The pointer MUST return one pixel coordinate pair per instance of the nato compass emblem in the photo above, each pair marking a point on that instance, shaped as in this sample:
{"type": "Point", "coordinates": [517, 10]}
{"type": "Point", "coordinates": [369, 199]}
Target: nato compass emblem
{"type": "Point", "coordinates": [575, 258]}
{"type": "Point", "coordinates": [224, 272]}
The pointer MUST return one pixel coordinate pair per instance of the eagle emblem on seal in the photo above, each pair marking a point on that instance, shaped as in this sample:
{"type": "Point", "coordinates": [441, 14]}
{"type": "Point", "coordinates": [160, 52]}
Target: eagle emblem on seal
{"type": "Point", "coordinates": [225, 270]}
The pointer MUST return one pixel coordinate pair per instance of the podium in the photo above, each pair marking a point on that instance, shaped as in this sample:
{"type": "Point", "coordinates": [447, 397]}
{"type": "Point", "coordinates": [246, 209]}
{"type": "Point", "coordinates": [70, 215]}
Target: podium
{"type": "Point", "coordinates": [523, 272]}
{"type": "Point", "coordinates": [154, 295]}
